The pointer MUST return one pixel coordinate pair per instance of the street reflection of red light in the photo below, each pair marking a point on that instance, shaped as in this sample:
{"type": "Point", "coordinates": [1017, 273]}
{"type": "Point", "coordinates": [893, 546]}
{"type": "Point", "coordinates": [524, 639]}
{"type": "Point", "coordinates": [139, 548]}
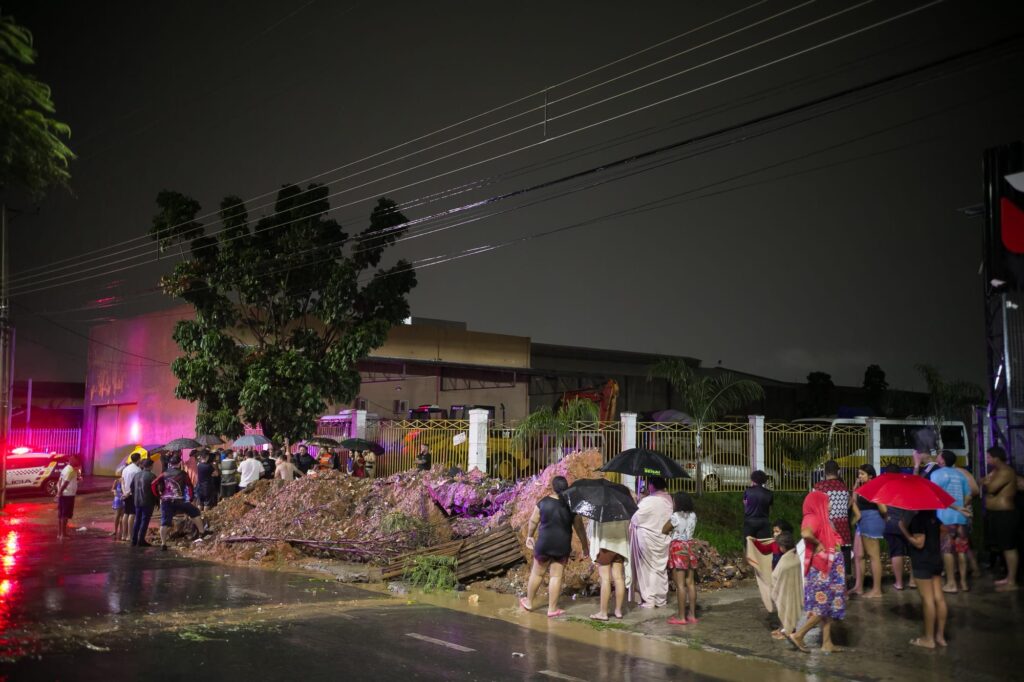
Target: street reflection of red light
{"type": "Point", "coordinates": [9, 561]}
{"type": "Point", "coordinates": [11, 546]}
{"type": "Point", "coordinates": [5, 588]}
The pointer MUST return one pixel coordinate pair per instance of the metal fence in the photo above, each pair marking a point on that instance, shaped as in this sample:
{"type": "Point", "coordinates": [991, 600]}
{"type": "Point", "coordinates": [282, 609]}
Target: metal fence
{"type": "Point", "coordinates": [798, 451]}
{"type": "Point", "coordinates": [510, 457]}
{"type": "Point", "coordinates": [724, 462]}
{"type": "Point", "coordinates": [447, 439]}
{"type": "Point", "coordinates": [64, 441]}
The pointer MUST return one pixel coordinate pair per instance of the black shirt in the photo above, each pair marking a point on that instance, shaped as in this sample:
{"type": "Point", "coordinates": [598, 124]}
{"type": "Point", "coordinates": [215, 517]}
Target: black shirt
{"type": "Point", "coordinates": [554, 535]}
{"type": "Point", "coordinates": [204, 472]}
{"type": "Point", "coordinates": [864, 505]}
{"type": "Point", "coordinates": [930, 556]}
{"type": "Point", "coordinates": [423, 461]}
{"type": "Point", "coordinates": [757, 502]}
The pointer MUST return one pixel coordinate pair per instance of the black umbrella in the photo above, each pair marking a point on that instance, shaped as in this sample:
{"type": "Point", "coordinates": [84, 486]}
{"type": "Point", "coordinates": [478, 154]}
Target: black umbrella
{"type": "Point", "coordinates": [182, 444]}
{"type": "Point", "coordinates": [209, 440]}
{"type": "Point", "coordinates": [360, 444]}
{"type": "Point", "coordinates": [641, 462]}
{"type": "Point", "coordinates": [600, 500]}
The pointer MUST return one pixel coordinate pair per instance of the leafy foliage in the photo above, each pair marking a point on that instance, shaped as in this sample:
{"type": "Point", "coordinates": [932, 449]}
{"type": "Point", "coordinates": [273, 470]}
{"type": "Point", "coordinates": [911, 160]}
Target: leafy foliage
{"type": "Point", "coordinates": [808, 453]}
{"type": "Point", "coordinates": [819, 394]}
{"type": "Point", "coordinates": [284, 308]}
{"type": "Point", "coordinates": [431, 573]}
{"type": "Point", "coordinates": [875, 386]}
{"type": "Point", "coordinates": [33, 152]}
{"type": "Point", "coordinates": [947, 399]}
{"type": "Point", "coordinates": [557, 423]}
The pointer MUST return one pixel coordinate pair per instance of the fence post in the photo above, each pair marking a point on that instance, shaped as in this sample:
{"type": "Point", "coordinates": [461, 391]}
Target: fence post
{"type": "Point", "coordinates": [755, 441]}
{"type": "Point", "coordinates": [478, 440]}
{"type": "Point", "coordinates": [874, 443]}
{"type": "Point", "coordinates": [628, 441]}
{"type": "Point", "coordinates": [360, 424]}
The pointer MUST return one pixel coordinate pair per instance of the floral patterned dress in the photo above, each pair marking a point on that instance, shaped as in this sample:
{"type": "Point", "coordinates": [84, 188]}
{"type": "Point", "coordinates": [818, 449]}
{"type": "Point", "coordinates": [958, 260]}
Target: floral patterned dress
{"type": "Point", "coordinates": [825, 595]}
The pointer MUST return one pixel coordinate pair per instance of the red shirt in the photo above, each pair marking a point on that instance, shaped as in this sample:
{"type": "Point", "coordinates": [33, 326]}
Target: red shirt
{"type": "Point", "coordinates": [838, 506]}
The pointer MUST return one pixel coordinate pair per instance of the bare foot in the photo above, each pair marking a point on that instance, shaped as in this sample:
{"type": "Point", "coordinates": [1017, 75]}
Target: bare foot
{"type": "Point", "coordinates": [1002, 581]}
{"type": "Point", "coordinates": [854, 593]}
{"type": "Point", "coordinates": [599, 616]}
{"type": "Point", "coordinates": [965, 588]}
{"type": "Point", "coordinates": [923, 643]}
{"type": "Point", "coordinates": [941, 641]}
{"type": "Point", "coordinates": [873, 595]}
{"type": "Point", "coordinates": [830, 648]}
{"type": "Point", "coordinates": [1006, 587]}
{"type": "Point", "coordinates": [778, 634]}
{"type": "Point", "coordinates": [618, 614]}
{"type": "Point", "coordinates": [798, 642]}
{"type": "Point", "coordinates": [950, 589]}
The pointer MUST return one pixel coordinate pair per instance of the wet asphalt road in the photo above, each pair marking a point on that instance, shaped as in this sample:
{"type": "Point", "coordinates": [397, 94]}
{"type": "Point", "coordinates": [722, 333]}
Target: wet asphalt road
{"type": "Point", "coordinates": [124, 613]}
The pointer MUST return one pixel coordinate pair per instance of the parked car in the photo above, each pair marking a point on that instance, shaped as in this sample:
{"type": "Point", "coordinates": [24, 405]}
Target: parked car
{"type": "Point", "coordinates": [29, 468]}
{"type": "Point", "coordinates": [723, 476]}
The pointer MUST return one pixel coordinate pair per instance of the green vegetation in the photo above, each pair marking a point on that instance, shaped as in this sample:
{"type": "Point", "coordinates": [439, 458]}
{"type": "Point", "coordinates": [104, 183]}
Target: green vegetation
{"type": "Point", "coordinates": [397, 522]}
{"type": "Point", "coordinates": [431, 573]}
{"type": "Point", "coordinates": [598, 624]}
{"type": "Point", "coordinates": [720, 518]}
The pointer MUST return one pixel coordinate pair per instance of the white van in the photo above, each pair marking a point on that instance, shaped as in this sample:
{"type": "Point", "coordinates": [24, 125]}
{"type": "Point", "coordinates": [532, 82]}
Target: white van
{"type": "Point", "coordinates": [900, 438]}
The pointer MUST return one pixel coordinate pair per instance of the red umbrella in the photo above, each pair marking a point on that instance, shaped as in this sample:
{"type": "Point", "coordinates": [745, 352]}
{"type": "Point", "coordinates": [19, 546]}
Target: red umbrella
{"type": "Point", "coordinates": [905, 491]}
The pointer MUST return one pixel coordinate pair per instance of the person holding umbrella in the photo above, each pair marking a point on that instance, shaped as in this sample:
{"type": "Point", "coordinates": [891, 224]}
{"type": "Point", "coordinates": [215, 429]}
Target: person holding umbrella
{"type": "Point", "coordinates": [554, 523]}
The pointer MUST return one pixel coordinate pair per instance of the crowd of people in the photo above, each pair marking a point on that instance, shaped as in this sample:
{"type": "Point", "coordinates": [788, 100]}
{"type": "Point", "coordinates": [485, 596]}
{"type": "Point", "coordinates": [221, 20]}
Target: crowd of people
{"type": "Point", "coordinates": [811, 573]}
{"type": "Point", "coordinates": [190, 485]}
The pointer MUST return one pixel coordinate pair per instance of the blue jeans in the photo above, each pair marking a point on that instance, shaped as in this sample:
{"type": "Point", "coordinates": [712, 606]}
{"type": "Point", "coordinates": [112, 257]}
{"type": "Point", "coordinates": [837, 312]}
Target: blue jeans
{"type": "Point", "coordinates": [143, 513]}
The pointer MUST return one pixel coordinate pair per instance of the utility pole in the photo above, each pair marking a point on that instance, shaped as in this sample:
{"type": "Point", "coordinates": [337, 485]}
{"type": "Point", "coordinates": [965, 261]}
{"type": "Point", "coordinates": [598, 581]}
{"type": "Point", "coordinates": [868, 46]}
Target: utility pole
{"type": "Point", "coordinates": [6, 359]}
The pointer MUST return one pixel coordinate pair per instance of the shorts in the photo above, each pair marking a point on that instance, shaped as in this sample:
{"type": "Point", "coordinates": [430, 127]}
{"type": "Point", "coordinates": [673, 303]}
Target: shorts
{"type": "Point", "coordinates": [65, 506]}
{"type": "Point", "coordinates": [129, 505]}
{"type": "Point", "coordinates": [545, 559]}
{"type": "Point", "coordinates": [606, 557]}
{"type": "Point", "coordinates": [897, 545]}
{"type": "Point", "coordinates": [682, 555]}
{"type": "Point", "coordinates": [954, 539]}
{"type": "Point", "coordinates": [168, 508]}
{"type": "Point", "coordinates": [1002, 529]}
{"type": "Point", "coordinates": [926, 571]}
{"type": "Point", "coordinates": [118, 502]}
{"type": "Point", "coordinates": [871, 524]}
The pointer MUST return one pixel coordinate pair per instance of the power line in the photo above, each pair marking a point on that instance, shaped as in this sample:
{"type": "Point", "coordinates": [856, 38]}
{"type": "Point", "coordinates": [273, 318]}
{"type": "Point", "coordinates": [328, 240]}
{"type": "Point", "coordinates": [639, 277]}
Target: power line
{"type": "Point", "coordinates": [445, 128]}
{"type": "Point", "coordinates": [529, 146]}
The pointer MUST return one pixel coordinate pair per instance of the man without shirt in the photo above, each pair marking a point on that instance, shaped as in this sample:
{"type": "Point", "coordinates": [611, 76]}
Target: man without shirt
{"type": "Point", "coordinates": [1001, 486]}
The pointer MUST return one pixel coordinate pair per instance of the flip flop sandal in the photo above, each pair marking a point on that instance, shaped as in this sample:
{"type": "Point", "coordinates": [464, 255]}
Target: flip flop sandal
{"type": "Point", "coordinates": [677, 621]}
{"type": "Point", "coordinates": [597, 617]}
{"type": "Point", "coordinates": [800, 647]}
{"type": "Point", "coordinates": [555, 614]}
{"type": "Point", "coordinates": [524, 604]}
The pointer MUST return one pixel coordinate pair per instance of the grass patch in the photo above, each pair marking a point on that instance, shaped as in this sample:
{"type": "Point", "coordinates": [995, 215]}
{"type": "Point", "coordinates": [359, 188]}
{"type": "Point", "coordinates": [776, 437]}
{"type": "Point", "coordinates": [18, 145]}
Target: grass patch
{"type": "Point", "coordinates": [720, 517]}
{"type": "Point", "coordinates": [598, 624]}
{"type": "Point", "coordinates": [431, 573]}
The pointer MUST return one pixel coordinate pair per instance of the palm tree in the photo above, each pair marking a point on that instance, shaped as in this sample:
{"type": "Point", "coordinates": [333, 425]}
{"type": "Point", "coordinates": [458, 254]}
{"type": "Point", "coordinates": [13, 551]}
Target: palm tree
{"type": "Point", "coordinates": [706, 398]}
{"type": "Point", "coordinates": [947, 398]}
{"type": "Point", "coordinates": [809, 453]}
{"type": "Point", "coordinates": [557, 423]}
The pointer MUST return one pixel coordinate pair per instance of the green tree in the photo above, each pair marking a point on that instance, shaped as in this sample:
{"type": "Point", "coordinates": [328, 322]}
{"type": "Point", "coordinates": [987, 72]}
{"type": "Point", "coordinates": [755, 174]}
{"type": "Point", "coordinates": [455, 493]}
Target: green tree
{"type": "Point", "coordinates": [706, 398]}
{"type": "Point", "coordinates": [283, 310]}
{"type": "Point", "coordinates": [806, 454]}
{"type": "Point", "coordinates": [948, 400]}
{"type": "Point", "coordinates": [556, 423]}
{"type": "Point", "coordinates": [33, 152]}
{"type": "Point", "coordinates": [876, 387]}
{"type": "Point", "coordinates": [819, 394]}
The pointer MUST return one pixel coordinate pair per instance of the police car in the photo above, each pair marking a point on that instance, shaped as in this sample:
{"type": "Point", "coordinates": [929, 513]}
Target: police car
{"type": "Point", "coordinates": [29, 469]}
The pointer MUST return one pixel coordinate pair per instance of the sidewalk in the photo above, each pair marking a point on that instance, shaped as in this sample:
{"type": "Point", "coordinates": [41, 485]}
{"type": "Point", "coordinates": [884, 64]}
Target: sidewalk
{"type": "Point", "coordinates": [874, 637]}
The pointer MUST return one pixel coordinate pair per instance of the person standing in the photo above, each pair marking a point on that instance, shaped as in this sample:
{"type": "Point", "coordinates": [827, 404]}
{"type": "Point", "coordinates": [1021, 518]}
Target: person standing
{"type": "Point", "coordinates": [67, 488]}
{"type": "Point", "coordinates": [423, 458]}
{"type": "Point", "coordinates": [757, 506]}
{"type": "Point", "coordinates": [609, 549]}
{"type": "Point", "coordinates": [359, 466]}
{"type": "Point", "coordinates": [953, 534]}
{"type": "Point", "coordinates": [838, 507]}
{"type": "Point", "coordinates": [553, 522]}
{"type": "Point", "coordinates": [682, 558]}
{"type": "Point", "coordinates": [228, 475]}
{"type": "Point", "coordinates": [145, 501]}
{"type": "Point", "coordinates": [204, 474]}
{"type": "Point", "coordinates": [869, 519]}
{"type": "Point", "coordinates": [649, 546]}
{"type": "Point", "coordinates": [118, 508]}
{"type": "Point", "coordinates": [925, 463]}
{"type": "Point", "coordinates": [285, 470]}
{"type": "Point", "coordinates": [824, 577]}
{"type": "Point", "coordinates": [1001, 486]}
{"type": "Point", "coordinates": [922, 534]}
{"type": "Point", "coordinates": [128, 474]}
{"type": "Point", "coordinates": [370, 459]}
{"type": "Point", "coordinates": [304, 461]}
{"type": "Point", "coordinates": [249, 471]}
{"type": "Point", "coordinates": [172, 486]}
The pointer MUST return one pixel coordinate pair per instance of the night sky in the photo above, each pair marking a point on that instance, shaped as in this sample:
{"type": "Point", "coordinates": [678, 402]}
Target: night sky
{"type": "Point", "coordinates": [828, 244]}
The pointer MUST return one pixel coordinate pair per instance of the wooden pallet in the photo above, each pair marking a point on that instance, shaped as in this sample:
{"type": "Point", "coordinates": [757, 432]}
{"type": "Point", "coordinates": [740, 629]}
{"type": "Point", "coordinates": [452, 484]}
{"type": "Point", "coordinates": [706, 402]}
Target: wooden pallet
{"type": "Point", "coordinates": [481, 553]}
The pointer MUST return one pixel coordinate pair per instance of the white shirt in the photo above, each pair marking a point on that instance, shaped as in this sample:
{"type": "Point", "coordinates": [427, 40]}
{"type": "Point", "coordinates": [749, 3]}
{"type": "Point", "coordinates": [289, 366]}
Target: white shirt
{"type": "Point", "coordinates": [683, 525]}
{"type": "Point", "coordinates": [127, 476]}
{"type": "Point", "coordinates": [251, 470]}
{"type": "Point", "coordinates": [70, 475]}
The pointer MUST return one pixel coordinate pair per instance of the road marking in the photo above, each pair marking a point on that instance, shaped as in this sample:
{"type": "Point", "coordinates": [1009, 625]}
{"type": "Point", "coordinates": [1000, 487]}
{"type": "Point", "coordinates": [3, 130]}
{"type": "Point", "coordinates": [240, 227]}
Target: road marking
{"type": "Point", "coordinates": [560, 676]}
{"type": "Point", "coordinates": [450, 645]}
